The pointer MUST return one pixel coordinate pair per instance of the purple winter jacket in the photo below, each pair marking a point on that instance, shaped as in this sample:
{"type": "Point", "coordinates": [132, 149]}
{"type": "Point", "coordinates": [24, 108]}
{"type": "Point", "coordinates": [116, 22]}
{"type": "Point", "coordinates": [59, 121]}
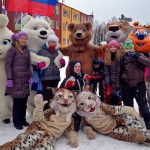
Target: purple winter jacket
{"type": "Point", "coordinates": [18, 70]}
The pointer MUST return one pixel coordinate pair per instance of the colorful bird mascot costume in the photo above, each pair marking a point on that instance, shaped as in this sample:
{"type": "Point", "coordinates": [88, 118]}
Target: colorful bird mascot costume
{"type": "Point", "coordinates": [48, 125]}
{"type": "Point", "coordinates": [141, 38]}
{"type": "Point", "coordinates": [5, 44]}
{"type": "Point", "coordinates": [119, 122]}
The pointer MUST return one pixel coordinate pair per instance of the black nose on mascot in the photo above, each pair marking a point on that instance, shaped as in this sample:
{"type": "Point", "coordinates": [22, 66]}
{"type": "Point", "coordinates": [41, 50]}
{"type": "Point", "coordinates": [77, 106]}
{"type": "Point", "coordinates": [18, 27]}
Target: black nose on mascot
{"type": "Point", "coordinates": [78, 34]}
{"type": "Point", "coordinates": [43, 32]}
{"type": "Point", "coordinates": [141, 37]}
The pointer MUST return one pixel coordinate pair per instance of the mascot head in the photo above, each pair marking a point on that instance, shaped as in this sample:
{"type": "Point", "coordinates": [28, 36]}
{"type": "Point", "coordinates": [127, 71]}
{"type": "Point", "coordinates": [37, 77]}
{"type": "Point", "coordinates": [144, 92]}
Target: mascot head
{"type": "Point", "coordinates": [80, 33]}
{"type": "Point", "coordinates": [116, 30]}
{"type": "Point", "coordinates": [37, 29]}
{"type": "Point", "coordinates": [5, 36]}
{"type": "Point", "coordinates": [141, 38]}
{"type": "Point", "coordinates": [87, 103]}
{"type": "Point", "coordinates": [63, 102]}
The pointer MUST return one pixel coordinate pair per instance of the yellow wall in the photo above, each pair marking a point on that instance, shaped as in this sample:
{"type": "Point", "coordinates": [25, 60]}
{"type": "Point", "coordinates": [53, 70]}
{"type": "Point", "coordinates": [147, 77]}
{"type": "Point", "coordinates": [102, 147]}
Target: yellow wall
{"type": "Point", "coordinates": [66, 17]}
{"type": "Point", "coordinates": [75, 16]}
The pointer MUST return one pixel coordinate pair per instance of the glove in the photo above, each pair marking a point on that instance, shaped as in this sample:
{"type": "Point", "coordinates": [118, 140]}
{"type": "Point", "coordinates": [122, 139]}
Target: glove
{"type": "Point", "coordinates": [133, 54]}
{"type": "Point", "coordinates": [69, 83]}
{"type": "Point", "coordinates": [119, 94]}
{"type": "Point", "coordinates": [31, 80]}
{"type": "Point", "coordinates": [62, 62]}
{"type": "Point", "coordinates": [108, 90]}
{"type": "Point", "coordinates": [89, 78]}
{"type": "Point", "coordinates": [40, 65]}
{"type": "Point", "coordinates": [9, 83]}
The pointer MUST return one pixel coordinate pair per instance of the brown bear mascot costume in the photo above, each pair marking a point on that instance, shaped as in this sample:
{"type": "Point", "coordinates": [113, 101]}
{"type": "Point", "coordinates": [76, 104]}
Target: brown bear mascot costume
{"type": "Point", "coordinates": [80, 49]}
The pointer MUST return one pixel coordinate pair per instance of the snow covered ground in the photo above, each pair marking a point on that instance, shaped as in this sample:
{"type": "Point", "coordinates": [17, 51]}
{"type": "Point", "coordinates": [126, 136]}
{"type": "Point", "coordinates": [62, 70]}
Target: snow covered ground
{"type": "Point", "coordinates": [102, 142]}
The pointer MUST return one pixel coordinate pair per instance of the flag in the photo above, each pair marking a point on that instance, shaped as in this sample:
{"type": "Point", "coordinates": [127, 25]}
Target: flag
{"type": "Point", "coordinates": [3, 9]}
{"type": "Point", "coordinates": [40, 7]}
{"type": "Point", "coordinates": [17, 6]}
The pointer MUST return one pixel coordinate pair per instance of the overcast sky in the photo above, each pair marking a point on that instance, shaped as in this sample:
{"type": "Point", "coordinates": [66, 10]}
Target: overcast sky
{"type": "Point", "coordinates": [138, 10]}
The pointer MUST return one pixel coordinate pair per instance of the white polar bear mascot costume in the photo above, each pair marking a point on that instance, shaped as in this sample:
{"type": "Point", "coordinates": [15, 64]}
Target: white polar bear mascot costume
{"type": "Point", "coordinates": [37, 29]}
{"type": "Point", "coordinates": [5, 44]}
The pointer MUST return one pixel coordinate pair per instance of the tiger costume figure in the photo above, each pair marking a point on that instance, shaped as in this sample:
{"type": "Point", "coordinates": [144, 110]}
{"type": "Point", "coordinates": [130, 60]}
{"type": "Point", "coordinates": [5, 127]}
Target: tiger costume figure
{"type": "Point", "coordinates": [119, 122]}
{"type": "Point", "coordinates": [49, 125]}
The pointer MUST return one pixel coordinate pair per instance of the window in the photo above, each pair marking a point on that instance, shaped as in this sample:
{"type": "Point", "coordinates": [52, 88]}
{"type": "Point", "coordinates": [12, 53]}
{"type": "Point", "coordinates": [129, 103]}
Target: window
{"type": "Point", "coordinates": [57, 10]}
{"type": "Point", "coordinates": [64, 12]}
{"type": "Point", "coordinates": [68, 41]}
{"type": "Point", "coordinates": [57, 24]}
{"type": "Point", "coordinates": [64, 41]}
{"type": "Point", "coordinates": [77, 17]}
{"type": "Point", "coordinates": [82, 19]}
{"type": "Point", "coordinates": [68, 14]}
{"type": "Point", "coordinates": [52, 23]}
{"type": "Point", "coordinates": [64, 26]}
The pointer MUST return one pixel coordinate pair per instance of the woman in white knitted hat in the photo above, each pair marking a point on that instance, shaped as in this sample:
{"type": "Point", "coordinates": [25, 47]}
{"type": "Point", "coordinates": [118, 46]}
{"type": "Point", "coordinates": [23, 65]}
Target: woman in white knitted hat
{"type": "Point", "coordinates": [50, 77]}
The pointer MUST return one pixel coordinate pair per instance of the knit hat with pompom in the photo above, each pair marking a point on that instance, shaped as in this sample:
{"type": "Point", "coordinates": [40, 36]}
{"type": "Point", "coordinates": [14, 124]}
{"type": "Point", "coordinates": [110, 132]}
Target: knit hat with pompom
{"type": "Point", "coordinates": [16, 36]}
{"type": "Point", "coordinates": [52, 38]}
{"type": "Point", "coordinates": [113, 43]}
{"type": "Point", "coordinates": [128, 43]}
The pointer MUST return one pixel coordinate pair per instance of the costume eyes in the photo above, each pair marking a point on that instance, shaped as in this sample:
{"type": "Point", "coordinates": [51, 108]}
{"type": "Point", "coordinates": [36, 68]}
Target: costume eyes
{"type": "Point", "coordinates": [81, 104]}
{"type": "Point", "coordinates": [35, 28]}
{"type": "Point", "coordinates": [59, 95]}
{"type": "Point", "coordinates": [137, 33]}
{"type": "Point", "coordinates": [6, 42]}
{"type": "Point", "coordinates": [145, 33]}
{"type": "Point", "coordinates": [84, 30]}
{"type": "Point", "coordinates": [46, 28]}
{"type": "Point", "coordinates": [70, 96]}
{"type": "Point", "coordinates": [74, 30]}
{"type": "Point", "coordinates": [90, 97]}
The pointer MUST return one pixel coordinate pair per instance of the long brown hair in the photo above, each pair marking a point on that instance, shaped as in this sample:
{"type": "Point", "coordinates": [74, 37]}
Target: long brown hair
{"type": "Point", "coordinates": [107, 57]}
{"type": "Point", "coordinates": [18, 46]}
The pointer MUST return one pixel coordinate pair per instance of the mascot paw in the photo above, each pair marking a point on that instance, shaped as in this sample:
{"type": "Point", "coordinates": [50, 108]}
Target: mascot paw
{"type": "Point", "coordinates": [89, 133]}
{"type": "Point", "coordinates": [39, 103]}
{"type": "Point", "coordinates": [73, 139]}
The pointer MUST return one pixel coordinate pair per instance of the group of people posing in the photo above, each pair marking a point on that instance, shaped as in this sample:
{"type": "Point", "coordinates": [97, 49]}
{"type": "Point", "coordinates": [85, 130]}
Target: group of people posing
{"type": "Point", "coordinates": [119, 77]}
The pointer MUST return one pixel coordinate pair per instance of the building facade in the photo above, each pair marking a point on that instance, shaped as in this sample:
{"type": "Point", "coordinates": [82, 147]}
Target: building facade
{"type": "Point", "coordinates": [63, 15]}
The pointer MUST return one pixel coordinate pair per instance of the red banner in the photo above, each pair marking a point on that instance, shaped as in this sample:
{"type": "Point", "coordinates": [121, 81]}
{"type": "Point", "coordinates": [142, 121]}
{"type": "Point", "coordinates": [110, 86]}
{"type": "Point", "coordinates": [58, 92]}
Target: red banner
{"type": "Point", "coordinates": [30, 6]}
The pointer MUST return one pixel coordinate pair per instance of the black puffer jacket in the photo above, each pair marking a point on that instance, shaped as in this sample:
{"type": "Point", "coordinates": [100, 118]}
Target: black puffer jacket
{"type": "Point", "coordinates": [78, 78]}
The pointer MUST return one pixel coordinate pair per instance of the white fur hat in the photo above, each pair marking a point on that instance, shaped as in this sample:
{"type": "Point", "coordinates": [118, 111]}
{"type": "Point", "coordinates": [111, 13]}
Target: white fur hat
{"type": "Point", "coordinates": [52, 38]}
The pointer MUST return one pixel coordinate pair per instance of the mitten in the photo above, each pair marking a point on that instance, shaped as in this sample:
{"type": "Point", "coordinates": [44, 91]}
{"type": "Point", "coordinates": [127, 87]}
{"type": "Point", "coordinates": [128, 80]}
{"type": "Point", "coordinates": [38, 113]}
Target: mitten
{"type": "Point", "coordinates": [92, 78]}
{"type": "Point", "coordinates": [31, 80]}
{"type": "Point", "coordinates": [40, 65]}
{"type": "Point", "coordinates": [69, 83]}
{"type": "Point", "coordinates": [9, 83]}
{"type": "Point", "coordinates": [108, 90]}
{"type": "Point", "coordinates": [62, 62]}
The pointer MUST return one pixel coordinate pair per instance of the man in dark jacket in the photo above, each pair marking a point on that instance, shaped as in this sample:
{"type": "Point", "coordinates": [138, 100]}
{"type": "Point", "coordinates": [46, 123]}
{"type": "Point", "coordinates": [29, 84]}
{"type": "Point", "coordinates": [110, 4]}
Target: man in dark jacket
{"type": "Point", "coordinates": [131, 75]}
